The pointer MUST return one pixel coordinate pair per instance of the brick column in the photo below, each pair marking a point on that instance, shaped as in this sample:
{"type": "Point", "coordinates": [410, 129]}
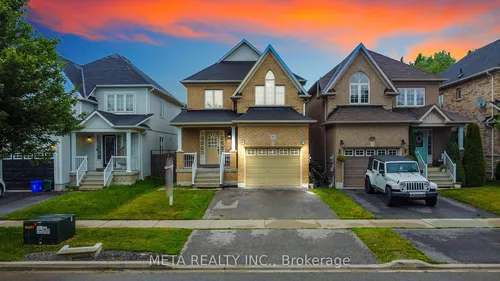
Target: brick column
{"type": "Point", "coordinates": [234, 156]}
{"type": "Point", "coordinates": [180, 160]}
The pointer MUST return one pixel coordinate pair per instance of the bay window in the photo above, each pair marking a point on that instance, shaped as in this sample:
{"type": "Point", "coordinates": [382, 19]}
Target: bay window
{"type": "Point", "coordinates": [120, 103]}
{"type": "Point", "coordinates": [213, 98]}
{"type": "Point", "coordinates": [270, 94]}
{"type": "Point", "coordinates": [411, 97]}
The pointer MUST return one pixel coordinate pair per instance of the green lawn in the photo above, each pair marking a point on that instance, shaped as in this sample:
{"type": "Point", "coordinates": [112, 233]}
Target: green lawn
{"type": "Point", "coordinates": [486, 197]}
{"type": "Point", "coordinates": [387, 245]}
{"type": "Point", "coordinates": [343, 205]}
{"type": "Point", "coordinates": [165, 241]}
{"type": "Point", "coordinates": [87, 204]}
{"type": "Point", "coordinates": [188, 205]}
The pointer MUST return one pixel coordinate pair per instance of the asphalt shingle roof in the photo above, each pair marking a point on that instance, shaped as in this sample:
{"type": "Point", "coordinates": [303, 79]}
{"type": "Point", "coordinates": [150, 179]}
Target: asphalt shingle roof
{"type": "Point", "coordinates": [205, 116]}
{"type": "Point", "coordinates": [124, 119]}
{"type": "Point", "coordinates": [477, 61]}
{"type": "Point", "coordinates": [417, 112]}
{"type": "Point", "coordinates": [375, 113]}
{"type": "Point", "coordinates": [278, 113]}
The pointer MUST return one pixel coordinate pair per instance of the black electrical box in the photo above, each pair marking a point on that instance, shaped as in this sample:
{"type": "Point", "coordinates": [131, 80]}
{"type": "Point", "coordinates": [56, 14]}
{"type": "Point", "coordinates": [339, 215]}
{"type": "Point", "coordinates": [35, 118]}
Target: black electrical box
{"type": "Point", "coordinates": [49, 229]}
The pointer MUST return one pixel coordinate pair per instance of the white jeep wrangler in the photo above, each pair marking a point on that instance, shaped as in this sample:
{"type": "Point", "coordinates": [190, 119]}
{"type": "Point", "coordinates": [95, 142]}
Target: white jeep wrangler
{"type": "Point", "coordinates": [398, 177]}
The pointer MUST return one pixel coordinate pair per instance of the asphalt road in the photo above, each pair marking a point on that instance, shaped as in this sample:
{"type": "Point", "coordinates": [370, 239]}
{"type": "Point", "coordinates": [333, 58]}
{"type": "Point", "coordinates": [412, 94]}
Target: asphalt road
{"type": "Point", "coordinates": [445, 208]}
{"type": "Point", "coordinates": [253, 276]}
{"type": "Point", "coordinates": [272, 203]}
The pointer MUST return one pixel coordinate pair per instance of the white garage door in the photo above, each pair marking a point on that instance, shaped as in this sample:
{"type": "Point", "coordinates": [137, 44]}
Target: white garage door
{"type": "Point", "coordinates": [357, 160]}
{"type": "Point", "coordinates": [273, 167]}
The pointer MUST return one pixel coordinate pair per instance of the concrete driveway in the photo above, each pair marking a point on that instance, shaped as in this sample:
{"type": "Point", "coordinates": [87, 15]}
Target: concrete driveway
{"type": "Point", "coordinates": [445, 208]}
{"type": "Point", "coordinates": [262, 203]}
{"type": "Point", "coordinates": [275, 246]}
{"type": "Point", "coordinates": [456, 245]}
{"type": "Point", "coordinates": [13, 201]}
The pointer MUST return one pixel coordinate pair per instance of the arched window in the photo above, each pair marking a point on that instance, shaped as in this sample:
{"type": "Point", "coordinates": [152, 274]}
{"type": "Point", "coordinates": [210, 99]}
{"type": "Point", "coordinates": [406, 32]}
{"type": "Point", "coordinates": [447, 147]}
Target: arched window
{"type": "Point", "coordinates": [359, 89]}
{"type": "Point", "coordinates": [270, 94]}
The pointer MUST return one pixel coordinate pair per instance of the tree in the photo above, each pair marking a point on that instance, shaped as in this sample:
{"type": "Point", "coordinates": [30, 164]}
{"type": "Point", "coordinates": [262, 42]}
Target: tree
{"type": "Point", "coordinates": [436, 64]}
{"type": "Point", "coordinates": [454, 152]}
{"type": "Point", "coordinates": [34, 106]}
{"type": "Point", "coordinates": [474, 164]}
{"type": "Point", "coordinates": [412, 145]}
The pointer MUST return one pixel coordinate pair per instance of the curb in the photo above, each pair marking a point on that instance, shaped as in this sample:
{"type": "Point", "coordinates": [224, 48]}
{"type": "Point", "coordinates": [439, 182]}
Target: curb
{"type": "Point", "coordinates": [399, 265]}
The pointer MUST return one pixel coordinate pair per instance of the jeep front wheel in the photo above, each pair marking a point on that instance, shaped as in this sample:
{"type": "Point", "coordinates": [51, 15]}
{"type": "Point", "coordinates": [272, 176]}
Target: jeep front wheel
{"type": "Point", "coordinates": [389, 200]}
{"type": "Point", "coordinates": [431, 202]}
{"type": "Point", "coordinates": [368, 186]}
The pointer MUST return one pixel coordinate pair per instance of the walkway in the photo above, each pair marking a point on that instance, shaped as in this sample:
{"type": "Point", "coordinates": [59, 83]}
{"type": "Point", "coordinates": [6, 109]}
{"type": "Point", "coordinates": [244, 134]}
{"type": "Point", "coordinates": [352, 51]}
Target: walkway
{"type": "Point", "coordinates": [281, 224]}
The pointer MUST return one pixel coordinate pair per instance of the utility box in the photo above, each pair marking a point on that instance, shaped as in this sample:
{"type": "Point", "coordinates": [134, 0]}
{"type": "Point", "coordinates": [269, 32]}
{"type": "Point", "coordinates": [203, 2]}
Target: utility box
{"type": "Point", "coordinates": [49, 229]}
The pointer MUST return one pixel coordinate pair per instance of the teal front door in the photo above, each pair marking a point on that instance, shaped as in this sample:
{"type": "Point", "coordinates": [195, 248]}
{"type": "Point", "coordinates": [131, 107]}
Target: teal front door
{"type": "Point", "coordinates": [421, 143]}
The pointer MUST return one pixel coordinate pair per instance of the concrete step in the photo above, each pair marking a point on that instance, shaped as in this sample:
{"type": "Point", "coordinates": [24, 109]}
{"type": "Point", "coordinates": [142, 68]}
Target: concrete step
{"type": "Point", "coordinates": [206, 185]}
{"type": "Point", "coordinates": [444, 183]}
{"type": "Point", "coordinates": [90, 187]}
{"type": "Point", "coordinates": [95, 173]}
{"type": "Point", "coordinates": [438, 177]}
{"type": "Point", "coordinates": [215, 182]}
{"type": "Point", "coordinates": [92, 181]}
{"type": "Point", "coordinates": [207, 170]}
{"type": "Point", "coordinates": [207, 175]}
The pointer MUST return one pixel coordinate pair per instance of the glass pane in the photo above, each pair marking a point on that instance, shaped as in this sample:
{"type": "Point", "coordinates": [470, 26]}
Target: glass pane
{"type": "Point", "coordinates": [420, 96]}
{"type": "Point", "coordinates": [209, 99]}
{"type": "Point", "coordinates": [130, 103]}
{"type": "Point", "coordinates": [410, 96]}
{"type": "Point", "coordinates": [120, 105]}
{"type": "Point", "coordinates": [269, 92]}
{"type": "Point", "coordinates": [111, 103]}
{"type": "Point", "coordinates": [364, 93]}
{"type": "Point", "coordinates": [270, 75]}
{"type": "Point", "coordinates": [354, 93]}
{"type": "Point", "coordinates": [401, 97]}
{"type": "Point", "coordinates": [259, 95]}
{"type": "Point", "coordinates": [218, 99]}
{"type": "Point", "coordinates": [280, 95]}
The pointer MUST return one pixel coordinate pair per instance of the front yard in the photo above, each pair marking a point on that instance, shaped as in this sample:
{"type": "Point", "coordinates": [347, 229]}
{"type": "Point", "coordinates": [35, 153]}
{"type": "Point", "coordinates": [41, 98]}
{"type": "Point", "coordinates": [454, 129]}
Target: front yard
{"type": "Point", "coordinates": [486, 197]}
{"type": "Point", "coordinates": [343, 205]}
{"type": "Point", "coordinates": [138, 201]}
{"type": "Point", "coordinates": [162, 241]}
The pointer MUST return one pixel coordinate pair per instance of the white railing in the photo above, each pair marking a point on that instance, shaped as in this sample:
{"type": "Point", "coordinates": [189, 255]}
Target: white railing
{"type": "Point", "coordinates": [78, 161]}
{"type": "Point", "coordinates": [451, 168]}
{"type": "Point", "coordinates": [194, 167]}
{"type": "Point", "coordinates": [221, 167]}
{"type": "Point", "coordinates": [189, 159]}
{"type": "Point", "coordinates": [227, 159]}
{"type": "Point", "coordinates": [421, 163]}
{"type": "Point", "coordinates": [108, 171]}
{"type": "Point", "coordinates": [82, 169]}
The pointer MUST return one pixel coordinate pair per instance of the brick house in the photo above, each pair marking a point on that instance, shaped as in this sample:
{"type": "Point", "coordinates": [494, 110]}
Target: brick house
{"type": "Point", "coordinates": [366, 106]}
{"type": "Point", "coordinates": [244, 123]}
{"type": "Point", "coordinates": [473, 88]}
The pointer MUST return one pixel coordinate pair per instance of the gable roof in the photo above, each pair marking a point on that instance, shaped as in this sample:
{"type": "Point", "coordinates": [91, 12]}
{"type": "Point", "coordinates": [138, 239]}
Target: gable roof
{"type": "Point", "coordinates": [475, 63]}
{"type": "Point", "coordinates": [119, 120]}
{"type": "Point", "coordinates": [113, 70]}
{"type": "Point", "coordinates": [235, 48]}
{"type": "Point", "coordinates": [419, 113]}
{"type": "Point", "coordinates": [391, 68]}
{"type": "Point", "coordinates": [205, 116]}
{"type": "Point", "coordinates": [365, 114]}
{"type": "Point", "coordinates": [273, 114]}
{"type": "Point", "coordinates": [268, 51]}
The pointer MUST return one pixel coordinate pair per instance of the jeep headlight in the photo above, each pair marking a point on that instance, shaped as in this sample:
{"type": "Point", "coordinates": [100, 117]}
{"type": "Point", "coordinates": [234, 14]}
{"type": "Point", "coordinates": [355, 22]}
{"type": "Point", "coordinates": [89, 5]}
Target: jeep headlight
{"type": "Point", "coordinates": [402, 185]}
{"type": "Point", "coordinates": [426, 184]}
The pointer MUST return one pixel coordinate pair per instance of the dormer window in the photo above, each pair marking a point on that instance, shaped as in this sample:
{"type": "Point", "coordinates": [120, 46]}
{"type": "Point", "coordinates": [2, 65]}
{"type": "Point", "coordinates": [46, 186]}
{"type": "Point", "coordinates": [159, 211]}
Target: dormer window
{"type": "Point", "coordinates": [270, 94]}
{"type": "Point", "coordinates": [359, 92]}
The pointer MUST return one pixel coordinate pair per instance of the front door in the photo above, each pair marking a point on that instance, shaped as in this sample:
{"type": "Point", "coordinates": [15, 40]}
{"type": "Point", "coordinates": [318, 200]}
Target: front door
{"type": "Point", "coordinates": [212, 147]}
{"type": "Point", "coordinates": [109, 148]}
{"type": "Point", "coordinates": [421, 143]}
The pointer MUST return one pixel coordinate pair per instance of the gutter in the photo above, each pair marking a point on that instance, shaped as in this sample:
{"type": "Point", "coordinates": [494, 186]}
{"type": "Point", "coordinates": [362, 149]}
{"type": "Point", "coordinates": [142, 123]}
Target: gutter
{"type": "Point", "coordinates": [368, 122]}
{"type": "Point", "coordinates": [168, 95]}
{"type": "Point", "coordinates": [492, 127]}
{"type": "Point", "coordinates": [469, 77]}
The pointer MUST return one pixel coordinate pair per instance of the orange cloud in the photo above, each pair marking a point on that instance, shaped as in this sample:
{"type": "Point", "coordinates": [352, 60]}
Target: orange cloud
{"type": "Point", "coordinates": [325, 23]}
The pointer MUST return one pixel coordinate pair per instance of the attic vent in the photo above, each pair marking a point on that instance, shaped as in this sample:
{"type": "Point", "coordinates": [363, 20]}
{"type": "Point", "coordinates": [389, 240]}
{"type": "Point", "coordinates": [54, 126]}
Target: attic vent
{"type": "Point", "coordinates": [460, 74]}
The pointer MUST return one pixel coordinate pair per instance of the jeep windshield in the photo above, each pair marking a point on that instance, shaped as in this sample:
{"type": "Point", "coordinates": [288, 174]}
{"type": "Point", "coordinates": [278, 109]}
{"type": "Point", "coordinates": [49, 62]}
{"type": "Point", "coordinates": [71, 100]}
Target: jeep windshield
{"type": "Point", "coordinates": [403, 167]}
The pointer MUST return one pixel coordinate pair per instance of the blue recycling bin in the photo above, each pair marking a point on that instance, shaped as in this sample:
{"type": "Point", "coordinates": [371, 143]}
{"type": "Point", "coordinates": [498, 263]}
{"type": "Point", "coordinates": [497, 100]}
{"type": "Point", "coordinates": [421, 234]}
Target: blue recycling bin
{"type": "Point", "coordinates": [36, 185]}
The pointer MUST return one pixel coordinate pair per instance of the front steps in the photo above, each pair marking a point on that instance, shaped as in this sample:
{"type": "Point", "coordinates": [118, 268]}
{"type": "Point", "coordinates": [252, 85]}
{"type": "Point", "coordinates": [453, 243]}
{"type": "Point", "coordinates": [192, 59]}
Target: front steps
{"type": "Point", "coordinates": [442, 180]}
{"type": "Point", "coordinates": [93, 180]}
{"type": "Point", "coordinates": [207, 177]}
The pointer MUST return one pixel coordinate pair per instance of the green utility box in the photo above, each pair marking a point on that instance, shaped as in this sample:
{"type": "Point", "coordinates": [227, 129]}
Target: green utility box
{"type": "Point", "coordinates": [47, 185]}
{"type": "Point", "coordinates": [49, 229]}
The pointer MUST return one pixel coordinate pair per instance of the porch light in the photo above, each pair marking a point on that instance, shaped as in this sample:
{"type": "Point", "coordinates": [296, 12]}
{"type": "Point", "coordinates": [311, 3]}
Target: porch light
{"type": "Point", "coordinates": [89, 139]}
{"type": "Point", "coordinates": [303, 141]}
{"type": "Point", "coordinates": [403, 142]}
{"type": "Point", "coordinates": [341, 142]}
{"type": "Point", "coordinates": [229, 135]}
{"type": "Point", "coordinates": [243, 142]}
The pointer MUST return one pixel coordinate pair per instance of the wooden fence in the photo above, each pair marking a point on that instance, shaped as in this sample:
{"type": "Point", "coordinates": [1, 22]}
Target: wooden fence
{"type": "Point", "coordinates": [159, 161]}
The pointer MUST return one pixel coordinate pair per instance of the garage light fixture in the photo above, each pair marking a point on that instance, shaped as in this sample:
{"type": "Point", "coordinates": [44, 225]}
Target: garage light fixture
{"type": "Point", "coordinates": [243, 142]}
{"type": "Point", "coordinates": [303, 141]}
{"type": "Point", "coordinates": [403, 142]}
{"type": "Point", "coordinates": [341, 142]}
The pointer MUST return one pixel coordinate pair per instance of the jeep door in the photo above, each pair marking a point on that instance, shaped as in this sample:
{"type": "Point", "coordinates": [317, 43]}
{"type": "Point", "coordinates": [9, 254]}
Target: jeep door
{"type": "Point", "coordinates": [381, 176]}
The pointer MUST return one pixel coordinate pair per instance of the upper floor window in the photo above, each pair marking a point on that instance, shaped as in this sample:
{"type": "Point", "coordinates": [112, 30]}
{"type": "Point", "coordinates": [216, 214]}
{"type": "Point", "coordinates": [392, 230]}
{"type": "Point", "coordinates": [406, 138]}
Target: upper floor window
{"type": "Point", "coordinates": [459, 94]}
{"type": "Point", "coordinates": [213, 99]}
{"type": "Point", "coordinates": [411, 97]}
{"type": "Point", "coordinates": [441, 101]}
{"type": "Point", "coordinates": [359, 88]}
{"type": "Point", "coordinates": [162, 108]}
{"type": "Point", "coordinates": [120, 102]}
{"type": "Point", "coordinates": [270, 94]}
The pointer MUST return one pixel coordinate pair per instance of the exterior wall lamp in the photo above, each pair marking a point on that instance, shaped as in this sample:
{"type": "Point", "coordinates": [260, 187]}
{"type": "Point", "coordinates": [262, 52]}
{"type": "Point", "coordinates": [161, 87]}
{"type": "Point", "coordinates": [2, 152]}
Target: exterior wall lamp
{"type": "Point", "coordinates": [89, 139]}
{"type": "Point", "coordinates": [303, 141]}
{"type": "Point", "coordinates": [243, 142]}
{"type": "Point", "coordinates": [229, 135]}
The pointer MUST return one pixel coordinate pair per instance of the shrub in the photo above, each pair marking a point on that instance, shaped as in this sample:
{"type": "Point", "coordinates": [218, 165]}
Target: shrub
{"type": "Point", "coordinates": [475, 167]}
{"type": "Point", "coordinates": [497, 171]}
{"type": "Point", "coordinates": [442, 167]}
{"type": "Point", "coordinates": [413, 145]}
{"type": "Point", "coordinates": [341, 158]}
{"type": "Point", "coordinates": [454, 153]}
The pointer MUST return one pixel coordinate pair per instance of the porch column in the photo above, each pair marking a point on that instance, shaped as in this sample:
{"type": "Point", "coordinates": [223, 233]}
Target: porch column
{"type": "Point", "coordinates": [233, 139]}
{"type": "Point", "coordinates": [179, 139]}
{"type": "Point", "coordinates": [461, 138]}
{"type": "Point", "coordinates": [129, 152]}
{"type": "Point", "coordinates": [73, 151]}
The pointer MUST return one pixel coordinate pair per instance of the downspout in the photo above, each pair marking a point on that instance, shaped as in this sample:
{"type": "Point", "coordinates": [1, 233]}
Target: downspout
{"type": "Point", "coordinates": [492, 128]}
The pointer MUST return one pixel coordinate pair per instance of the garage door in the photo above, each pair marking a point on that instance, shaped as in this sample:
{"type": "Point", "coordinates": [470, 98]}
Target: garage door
{"type": "Point", "coordinates": [357, 161]}
{"type": "Point", "coordinates": [273, 167]}
{"type": "Point", "coordinates": [18, 171]}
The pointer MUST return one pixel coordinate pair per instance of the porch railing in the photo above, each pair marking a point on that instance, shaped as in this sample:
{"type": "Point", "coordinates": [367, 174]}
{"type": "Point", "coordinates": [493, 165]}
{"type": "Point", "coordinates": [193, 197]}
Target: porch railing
{"type": "Point", "coordinates": [78, 161]}
{"type": "Point", "coordinates": [222, 166]}
{"type": "Point", "coordinates": [227, 159]}
{"type": "Point", "coordinates": [451, 168]}
{"type": "Point", "coordinates": [421, 164]}
{"type": "Point", "coordinates": [189, 159]}
{"type": "Point", "coordinates": [82, 169]}
{"type": "Point", "coordinates": [108, 171]}
{"type": "Point", "coordinates": [194, 167]}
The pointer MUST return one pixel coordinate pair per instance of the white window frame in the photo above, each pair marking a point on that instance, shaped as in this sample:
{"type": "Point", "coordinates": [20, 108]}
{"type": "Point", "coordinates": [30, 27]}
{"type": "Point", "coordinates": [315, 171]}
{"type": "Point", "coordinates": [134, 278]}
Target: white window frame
{"type": "Point", "coordinates": [274, 93]}
{"type": "Point", "coordinates": [261, 152]}
{"type": "Point", "coordinates": [358, 87]}
{"type": "Point", "coordinates": [115, 108]}
{"type": "Point", "coordinates": [272, 152]}
{"type": "Point", "coordinates": [348, 152]}
{"type": "Point", "coordinates": [251, 152]}
{"type": "Point", "coordinates": [458, 91]}
{"type": "Point", "coordinates": [392, 151]}
{"type": "Point", "coordinates": [372, 152]}
{"type": "Point", "coordinates": [162, 109]}
{"type": "Point", "coordinates": [283, 152]}
{"type": "Point", "coordinates": [380, 150]}
{"type": "Point", "coordinates": [359, 152]}
{"type": "Point", "coordinates": [404, 92]}
{"type": "Point", "coordinates": [17, 156]}
{"type": "Point", "coordinates": [162, 143]}
{"type": "Point", "coordinates": [8, 157]}
{"type": "Point", "coordinates": [214, 99]}
{"type": "Point", "coordinates": [441, 100]}
{"type": "Point", "coordinates": [294, 151]}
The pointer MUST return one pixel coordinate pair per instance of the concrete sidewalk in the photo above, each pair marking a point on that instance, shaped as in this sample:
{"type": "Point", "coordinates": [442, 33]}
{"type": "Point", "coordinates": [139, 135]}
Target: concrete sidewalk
{"type": "Point", "coordinates": [281, 224]}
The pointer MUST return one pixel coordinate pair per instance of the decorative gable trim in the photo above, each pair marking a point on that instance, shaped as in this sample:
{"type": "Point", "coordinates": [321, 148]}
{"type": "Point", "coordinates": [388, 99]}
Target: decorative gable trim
{"type": "Point", "coordinates": [270, 50]}
{"type": "Point", "coordinates": [94, 114]}
{"type": "Point", "coordinates": [435, 107]}
{"type": "Point", "coordinates": [244, 41]}
{"type": "Point", "coordinates": [360, 48]}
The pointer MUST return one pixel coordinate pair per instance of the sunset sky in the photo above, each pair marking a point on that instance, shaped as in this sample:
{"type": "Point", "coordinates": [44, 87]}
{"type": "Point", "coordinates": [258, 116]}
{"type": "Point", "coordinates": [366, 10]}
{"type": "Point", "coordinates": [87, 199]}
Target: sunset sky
{"type": "Point", "coordinates": [170, 40]}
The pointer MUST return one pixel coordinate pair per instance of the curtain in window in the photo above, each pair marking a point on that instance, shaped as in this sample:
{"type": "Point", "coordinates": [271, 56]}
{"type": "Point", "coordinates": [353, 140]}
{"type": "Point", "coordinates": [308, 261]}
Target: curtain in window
{"type": "Point", "coordinates": [130, 103]}
{"type": "Point", "coordinates": [401, 96]}
{"type": "Point", "coordinates": [120, 105]}
{"type": "Point", "coordinates": [280, 95]}
{"type": "Point", "coordinates": [410, 96]}
{"type": "Point", "coordinates": [420, 96]}
{"type": "Point", "coordinates": [259, 95]}
{"type": "Point", "coordinates": [218, 99]}
{"type": "Point", "coordinates": [111, 103]}
{"type": "Point", "coordinates": [209, 99]}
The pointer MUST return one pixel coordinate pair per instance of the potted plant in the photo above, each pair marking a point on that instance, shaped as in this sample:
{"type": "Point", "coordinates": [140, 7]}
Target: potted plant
{"type": "Point", "coordinates": [457, 184]}
{"type": "Point", "coordinates": [341, 158]}
{"type": "Point", "coordinates": [442, 168]}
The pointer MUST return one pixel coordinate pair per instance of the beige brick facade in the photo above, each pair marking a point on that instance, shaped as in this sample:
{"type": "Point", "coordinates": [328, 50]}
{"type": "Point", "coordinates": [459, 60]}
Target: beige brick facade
{"type": "Point", "coordinates": [196, 94]}
{"type": "Point", "coordinates": [248, 92]}
{"type": "Point", "coordinates": [286, 136]}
